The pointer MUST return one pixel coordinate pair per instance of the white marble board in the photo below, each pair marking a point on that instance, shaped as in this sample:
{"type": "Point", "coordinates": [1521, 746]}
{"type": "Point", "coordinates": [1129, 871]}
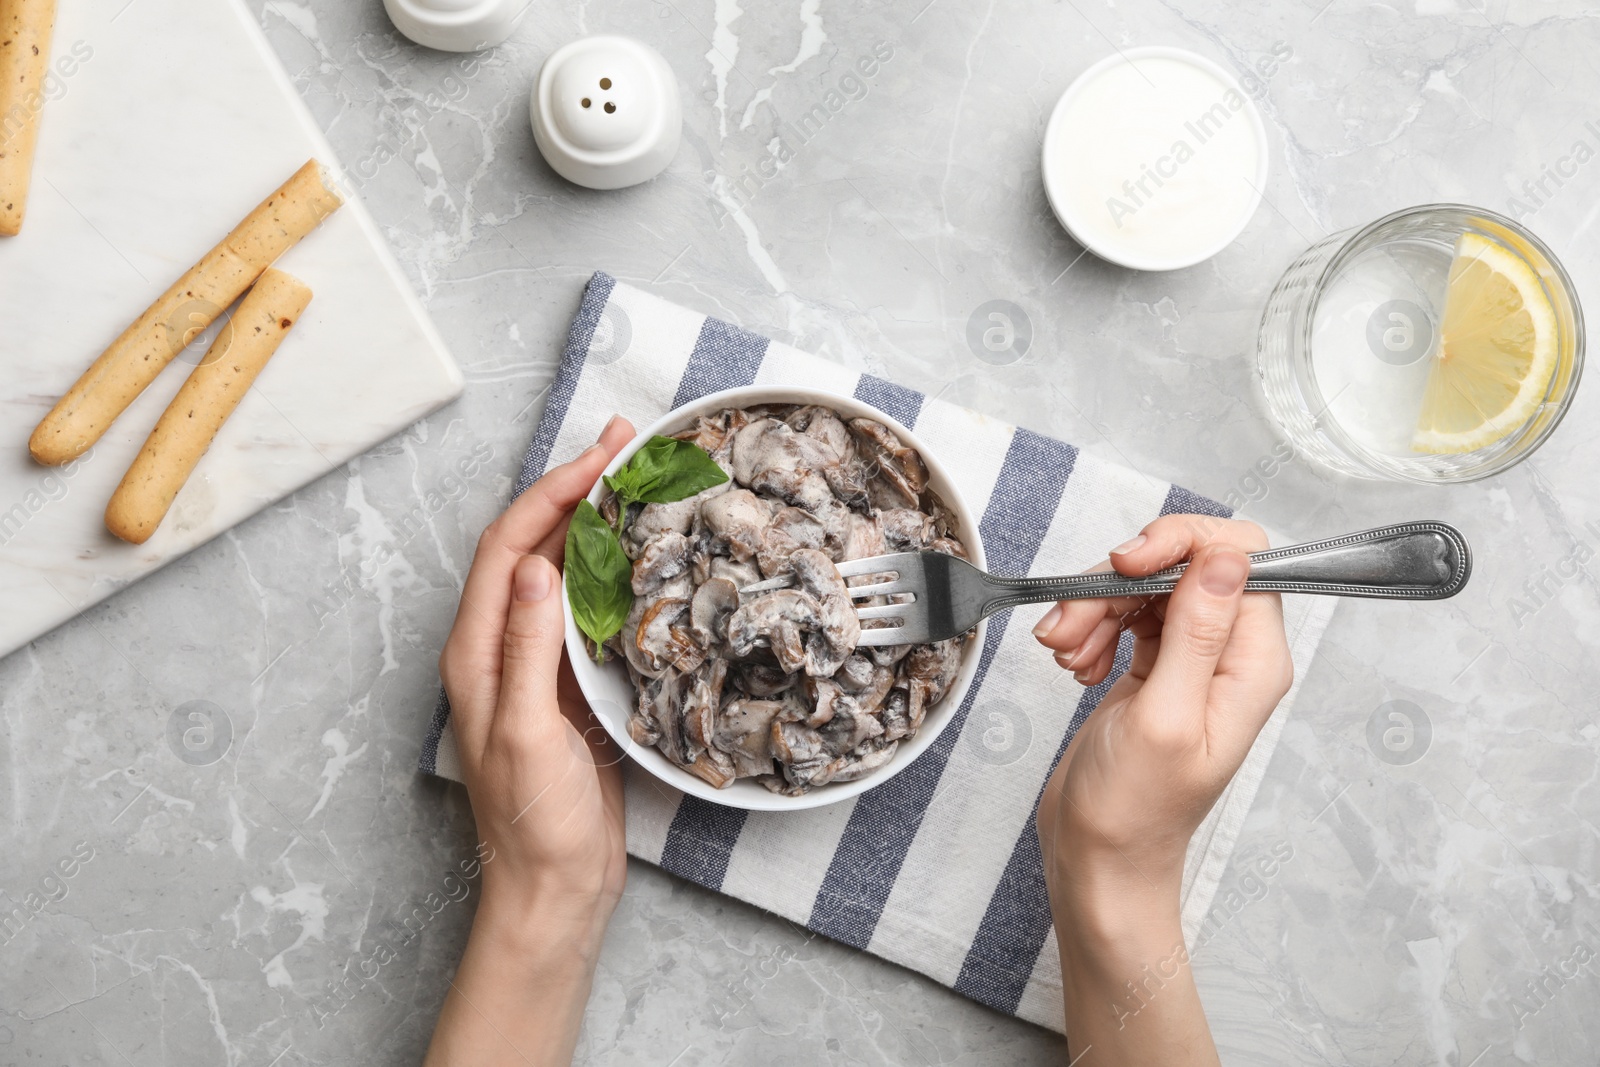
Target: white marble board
{"type": "Point", "coordinates": [168, 120]}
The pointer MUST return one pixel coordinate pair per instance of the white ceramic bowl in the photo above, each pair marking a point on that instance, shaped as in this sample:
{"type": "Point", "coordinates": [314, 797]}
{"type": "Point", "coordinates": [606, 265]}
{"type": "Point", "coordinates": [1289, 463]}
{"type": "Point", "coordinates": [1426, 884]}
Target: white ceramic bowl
{"type": "Point", "coordinates": [611, 694]}
{"type": "Point", "coordinates": [1056, 183]}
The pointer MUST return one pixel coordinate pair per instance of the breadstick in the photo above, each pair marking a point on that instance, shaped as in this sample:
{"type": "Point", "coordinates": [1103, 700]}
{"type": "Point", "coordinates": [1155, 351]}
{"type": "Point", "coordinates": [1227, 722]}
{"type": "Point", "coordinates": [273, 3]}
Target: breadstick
{"type": "Point", "coordinates": [132, 362]}
{"type": "Point", "coordinates": [25, 27]}
{"type": "Point", "coordinates": [204, 403]}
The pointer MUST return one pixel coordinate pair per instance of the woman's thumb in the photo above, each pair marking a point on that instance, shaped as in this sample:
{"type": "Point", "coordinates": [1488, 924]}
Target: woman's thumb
{"type": "Point", "coordinates": [1199, 620]}
{"type": "Point", "coordinates": [535, 629]}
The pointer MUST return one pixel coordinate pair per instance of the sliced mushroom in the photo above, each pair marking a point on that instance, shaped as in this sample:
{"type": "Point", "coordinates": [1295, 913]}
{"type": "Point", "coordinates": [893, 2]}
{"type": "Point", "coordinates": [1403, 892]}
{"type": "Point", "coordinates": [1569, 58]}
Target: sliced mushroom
{"type": "Point", "coordinates": [776, 619]}
{"type": "Point", "coordinates": [801, 526]}
{"type": "Point", "coordinates": [738, 522]}
{"type": "Point", "coordinates": [662, 558]}
{"type": "Point", "coordinates": [662, 643]}
{"type": "Point", "coordinates": [855, 673]}
{"type": "Point", "coordinates": [873, 754]}
{"type": "Point", "coordinates": [659, 704]}
{"type": "Point", "coordinates": [823, 426]}
{"type": "Point", "coordinates": [794, 742]}
{"type": "Point", "coordinates": [934, 667]}
{"type": "Point", "coordinates": [865, 680]}
{"type": "Point", "coordinates": [714, 601]}
{"type": "Point", "coordinates": [899, 473]}
{"type": "Point", "coordinates": [847, 724]}
{"type": "Point", "coordinates": [627, 640]}
{"type": "Point", "coordinates": [744, 732]}
{"type": "Point", "coordinates": [702, 696]}
{"type": "Point", "coordinates": [776, 549]}
{"type": "Point", "coordinates": [839, 630]}
{"type": "Point", "coordinates": [896, 714]}
{"type": "Point", "coordinates": [653, 520]}
{"type": "Point", "coordinates": [740, 573]}
{"type": "Point", "coordinates": [905, 530]}
{"type": "Point", "coordinates": [710, 432]}
{"type": "Point", "coordinates": [642, 725]}
{"type": "Point", "coordinates": [864, 539]}
{"type": "Point", "coordinates": [848, 480]}
{"type": "Point", "coordinates": [764, 680]}
{"type": "Point", "coordinates": [801, 751]}
{"type": "Point", "coordinates": [769, 445]}
{"type": "Point", "coordinates": [777, 783]}
{"type": "Point", "coordinates": [804, 488]}
{"type": "Point", "coordinates": [888, 655]}
{"type": "Point", "coordinates": [714, 767]}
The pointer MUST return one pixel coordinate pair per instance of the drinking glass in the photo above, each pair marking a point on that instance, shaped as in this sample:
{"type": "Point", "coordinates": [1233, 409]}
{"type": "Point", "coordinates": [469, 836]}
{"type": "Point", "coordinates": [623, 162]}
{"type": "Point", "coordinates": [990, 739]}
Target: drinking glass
{"type": "Point", "coordinates": [1352, 327]}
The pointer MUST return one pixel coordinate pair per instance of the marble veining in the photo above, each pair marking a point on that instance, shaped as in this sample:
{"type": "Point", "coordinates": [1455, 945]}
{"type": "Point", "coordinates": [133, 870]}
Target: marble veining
{"type": "Point", "coordinates": [232, 740]}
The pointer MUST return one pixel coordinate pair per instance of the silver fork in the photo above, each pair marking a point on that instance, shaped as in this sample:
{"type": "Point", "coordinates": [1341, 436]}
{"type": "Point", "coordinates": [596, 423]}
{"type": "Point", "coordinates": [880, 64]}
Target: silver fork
{"type": "Point", "coordinates": [942, 596]}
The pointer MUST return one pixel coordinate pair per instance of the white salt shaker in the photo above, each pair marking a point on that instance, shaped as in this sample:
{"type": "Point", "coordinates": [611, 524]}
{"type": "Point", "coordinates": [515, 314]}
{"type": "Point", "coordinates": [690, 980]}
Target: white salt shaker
{"type": "Point", "coordinates": [606, 112]}
{"type": "Point", "coordinates": [456, 25]}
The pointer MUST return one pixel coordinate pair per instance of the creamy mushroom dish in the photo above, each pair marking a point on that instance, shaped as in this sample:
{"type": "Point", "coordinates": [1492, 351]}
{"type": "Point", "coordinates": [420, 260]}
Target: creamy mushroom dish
{"type": "Point", "coordinates": [770, 685]}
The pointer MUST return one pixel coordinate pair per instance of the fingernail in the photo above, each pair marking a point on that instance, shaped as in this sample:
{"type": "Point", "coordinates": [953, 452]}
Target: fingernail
{"type": "Point", "coordinates": [1224, 572]}
{"type": "Point", "coordinates": [1128, 546]}
{"type": "Point", "coordinates": [610, 423]}
{"type": "Point", "coordinates": [1064, 659]}
{"type": "Point", "coordinates": [592, 450]}
{"type": "Point", "coordinates": [1081, 677]}
{"type": "Point", "coordinates": [533, 578]}
{"type": "Point", "coordinates": [1049, 621]}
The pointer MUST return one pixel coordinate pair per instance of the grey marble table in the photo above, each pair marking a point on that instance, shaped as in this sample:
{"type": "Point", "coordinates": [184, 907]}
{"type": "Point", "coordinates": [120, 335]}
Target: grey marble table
{"type": "Point", "coordinates": [1439, 901]}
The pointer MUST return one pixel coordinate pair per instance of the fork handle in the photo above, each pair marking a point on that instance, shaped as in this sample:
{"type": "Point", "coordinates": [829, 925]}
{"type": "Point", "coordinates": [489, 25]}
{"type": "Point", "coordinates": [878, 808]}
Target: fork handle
{"type": "Point", "coordinates": [1407, 561]}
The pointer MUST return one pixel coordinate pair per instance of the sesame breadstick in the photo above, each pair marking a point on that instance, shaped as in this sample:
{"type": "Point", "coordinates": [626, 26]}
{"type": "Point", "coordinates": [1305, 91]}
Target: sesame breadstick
{"type": "Point", "coordinates": [132, 362]}
{"type": "Point", "coordinates": [203, 404]}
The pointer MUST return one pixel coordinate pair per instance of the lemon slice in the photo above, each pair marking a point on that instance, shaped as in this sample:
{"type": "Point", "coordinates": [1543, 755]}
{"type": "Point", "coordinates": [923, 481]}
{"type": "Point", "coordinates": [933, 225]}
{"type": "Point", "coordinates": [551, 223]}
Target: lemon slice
{"type": "Point", "coordinates": [1497, 350]}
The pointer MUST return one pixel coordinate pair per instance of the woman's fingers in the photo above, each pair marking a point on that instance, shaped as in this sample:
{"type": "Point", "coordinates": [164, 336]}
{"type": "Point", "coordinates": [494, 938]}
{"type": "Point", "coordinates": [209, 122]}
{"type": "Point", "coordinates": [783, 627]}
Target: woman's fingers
{"type": "Point", "coordinates": [1084, 655]}
{"type": "Point", "coordinates": [1172, 539]}
{"type": "Point", "coordinates": [1199, 622]}
{"type": "Point", "coordinates": [523, 527]}
{"type": "Point", "coordinates": [470, 662]}
{"type": "Point", "coordinates": [531, 647]}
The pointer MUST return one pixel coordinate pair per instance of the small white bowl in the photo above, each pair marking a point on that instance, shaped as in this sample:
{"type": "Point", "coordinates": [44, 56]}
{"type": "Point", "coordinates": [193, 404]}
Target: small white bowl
{"type": "Point", "coordinates": [611, 694]}
{"type": "Point", "coordinates": [1057, 184]}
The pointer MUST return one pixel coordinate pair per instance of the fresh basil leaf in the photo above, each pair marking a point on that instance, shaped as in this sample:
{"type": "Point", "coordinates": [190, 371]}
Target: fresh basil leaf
{"type": "Point", "coordinates": [667, 469]}
{"type": "Point", "coordinates": [599, 576]}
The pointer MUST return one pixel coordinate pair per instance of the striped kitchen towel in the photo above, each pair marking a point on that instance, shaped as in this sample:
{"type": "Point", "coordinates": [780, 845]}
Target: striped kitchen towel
{"type": "Point", "coordinates": [939, 868]}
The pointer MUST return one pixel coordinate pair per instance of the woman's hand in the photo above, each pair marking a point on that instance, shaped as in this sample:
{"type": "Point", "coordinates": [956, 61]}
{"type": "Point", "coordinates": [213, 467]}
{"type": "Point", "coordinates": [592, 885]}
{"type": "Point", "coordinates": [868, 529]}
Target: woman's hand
{"type": "Point", "coordinates": [1209, 665]}
{"type": "Point", "coordinates": [545, 787]}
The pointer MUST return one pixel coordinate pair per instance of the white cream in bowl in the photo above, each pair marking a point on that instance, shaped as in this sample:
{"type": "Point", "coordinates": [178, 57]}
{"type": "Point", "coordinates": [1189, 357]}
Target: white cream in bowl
{"type": "Point", "coordinates": [1154, 159]}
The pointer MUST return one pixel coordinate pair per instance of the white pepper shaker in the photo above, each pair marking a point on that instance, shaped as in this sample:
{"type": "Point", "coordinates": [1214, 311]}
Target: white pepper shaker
{"type": "Point", "coordinates": [456, 25]}
{"type": "Point", "coordinates": [606, 112]}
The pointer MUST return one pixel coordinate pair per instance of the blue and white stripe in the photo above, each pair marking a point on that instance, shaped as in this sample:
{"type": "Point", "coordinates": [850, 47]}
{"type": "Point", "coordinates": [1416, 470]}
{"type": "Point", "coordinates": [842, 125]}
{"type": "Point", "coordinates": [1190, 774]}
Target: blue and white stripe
{"type": "Point", "coordinates": [939, 869]}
